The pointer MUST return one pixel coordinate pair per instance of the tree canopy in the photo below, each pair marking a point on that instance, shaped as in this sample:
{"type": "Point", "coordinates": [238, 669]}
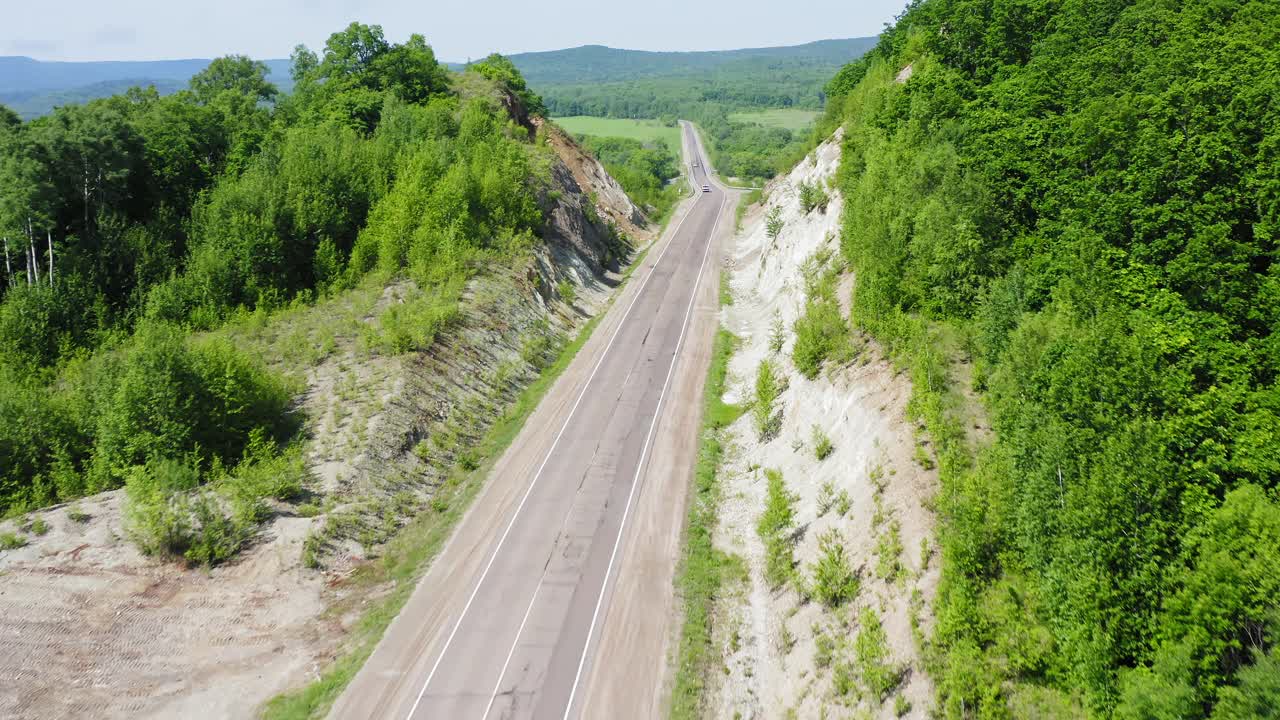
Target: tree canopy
{"type": "Point", "coordinates": [1087, 193]}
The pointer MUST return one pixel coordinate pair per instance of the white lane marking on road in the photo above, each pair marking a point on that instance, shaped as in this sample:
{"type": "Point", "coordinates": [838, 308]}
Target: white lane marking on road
{"type": "Point", "coordinates": [493, 696]}
{"type": "Point", "coordinates": [485, 573]}
{"type": "Point", "coordinates": [635, 482]}
{"type": "Point", "coordinates": [498, 685]}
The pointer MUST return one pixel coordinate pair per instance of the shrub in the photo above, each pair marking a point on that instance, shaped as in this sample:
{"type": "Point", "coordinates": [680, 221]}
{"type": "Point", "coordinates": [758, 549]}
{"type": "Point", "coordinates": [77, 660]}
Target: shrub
{"type": "Point", "coordinates": [164, 399]}
{"type": "Point", "coordinates": [312, 546]}
{"type": "Point", "coordinates": [768, 387]}
{"type": "Point", "coordinates": [157, 513]}
{"type": "Point", "coordinates": [777, 333]}
{"type": "Point", "coordinates": [775, 528]}
{"type": "Point", "coordinates": [834, 581]}
{"type": "Point", "coordinates": [842, 680]}
{"type": "Point", "coordinates": [415, 324]}
{"type": "Point", "coordinates": [889, 549]}
{"type": "Point", "coordinates": [567, 291]}
{"type": "Point", "coordinates": [871, 656]}
{"type": "Point", "coordinates": [39, 526]}
{"type": "Point", "coordinates": [826, 497]}
{"type": "Point", "coordinates": [823, 649]}
{"type": "Point", "coordinates": [168, 514]}
{"type": "Point", "coordinates": [822, 446]}
{"type": "Point", "coordinates": [843, 503]}
{"type": "Point", "coordinates": [214, 536]}
{"type": "Point", "coordinates": [773, 223]}
{"type": "Point", "coordinates": [821, 332]}
{"type": "Point", "coordinates": [77, 515]}
{"type": "Point", "coordinates": [813, 196]}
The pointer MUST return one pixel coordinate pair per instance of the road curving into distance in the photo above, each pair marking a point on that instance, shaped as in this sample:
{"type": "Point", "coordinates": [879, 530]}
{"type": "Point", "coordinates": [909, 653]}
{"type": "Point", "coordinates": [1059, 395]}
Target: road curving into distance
{"type": "Point", "coordinates": [509, 619]}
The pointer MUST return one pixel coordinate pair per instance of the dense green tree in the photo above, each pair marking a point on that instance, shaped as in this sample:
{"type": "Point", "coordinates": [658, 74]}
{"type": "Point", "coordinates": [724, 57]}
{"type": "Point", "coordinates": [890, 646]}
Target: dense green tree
{"type": "Point", "coordinates": [353, 52]}
{"type": "Point", "coordinates": [234, 73]}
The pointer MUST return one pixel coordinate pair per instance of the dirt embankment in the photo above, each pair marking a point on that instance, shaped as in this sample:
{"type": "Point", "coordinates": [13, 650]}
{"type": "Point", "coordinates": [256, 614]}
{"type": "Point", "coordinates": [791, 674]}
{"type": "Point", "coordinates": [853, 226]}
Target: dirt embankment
{"type": "Point", "coordinates": [785, 654]}
{"type": "Point", "coordinates": [91, 628]}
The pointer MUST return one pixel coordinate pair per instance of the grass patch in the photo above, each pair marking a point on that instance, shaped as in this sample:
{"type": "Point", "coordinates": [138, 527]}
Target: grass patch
{"type": "Point", "coordinates": [726, 292]}
{"type": "Point", "coordinates": [788, 118]}
{"type": "Point", "coordinates": [11, 541]}
{"type": "Point", "coordinates": [704, 569]}
{"type": "Point", "coordinates": [642, 130]}
{"type": "Point", "coordinates": [407, 555]}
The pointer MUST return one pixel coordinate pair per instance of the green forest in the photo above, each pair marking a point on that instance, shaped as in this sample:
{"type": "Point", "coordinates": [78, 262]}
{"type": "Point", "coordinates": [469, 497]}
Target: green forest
{"type": "Point", "coordinates": [738, 149]}
{"type": "Point", "coordinates": [1082, 200]}
{"type": "Point", "coordinates": [708, 95]}
{"type": "Point", "coordinates": [134, 225]}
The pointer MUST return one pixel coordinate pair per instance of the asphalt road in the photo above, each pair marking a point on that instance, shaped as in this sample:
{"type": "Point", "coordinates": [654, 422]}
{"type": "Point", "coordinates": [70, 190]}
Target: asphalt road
{"type": "Point", "coordinates": [506, 622]}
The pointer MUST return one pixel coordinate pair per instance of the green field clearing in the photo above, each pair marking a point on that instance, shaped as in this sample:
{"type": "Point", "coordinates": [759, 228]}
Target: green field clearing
{"type": "Point", "coordinates": [780, 117]}
{"type": "Point", "coordinates": [642, 130]}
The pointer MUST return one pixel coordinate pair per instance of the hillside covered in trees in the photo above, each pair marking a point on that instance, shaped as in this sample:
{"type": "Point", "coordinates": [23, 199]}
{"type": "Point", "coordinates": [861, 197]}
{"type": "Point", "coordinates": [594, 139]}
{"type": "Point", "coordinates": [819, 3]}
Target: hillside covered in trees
{"type": "Point", "coordinates": [1083, 199]}
{"type": "Point", "coordinates": [705, 87]}
{"type": "Point", "coordinates": [136, 223]}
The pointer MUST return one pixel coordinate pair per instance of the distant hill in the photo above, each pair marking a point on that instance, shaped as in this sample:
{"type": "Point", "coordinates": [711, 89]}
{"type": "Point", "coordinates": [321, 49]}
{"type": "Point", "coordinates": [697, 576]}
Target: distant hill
{"type": "Point", "coordinates": [34, 87]}
{"type": "Point", "coordinates": [600, 64]}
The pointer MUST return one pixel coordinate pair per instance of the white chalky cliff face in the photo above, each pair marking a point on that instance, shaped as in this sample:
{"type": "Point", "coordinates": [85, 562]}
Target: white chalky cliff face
{"type": "Point", "coordinates": [770, 637]}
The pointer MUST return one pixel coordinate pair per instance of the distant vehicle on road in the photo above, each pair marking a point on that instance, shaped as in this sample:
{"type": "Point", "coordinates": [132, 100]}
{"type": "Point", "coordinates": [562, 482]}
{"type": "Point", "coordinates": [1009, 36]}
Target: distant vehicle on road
{"type": "Point", "coordinates": [706, 188]}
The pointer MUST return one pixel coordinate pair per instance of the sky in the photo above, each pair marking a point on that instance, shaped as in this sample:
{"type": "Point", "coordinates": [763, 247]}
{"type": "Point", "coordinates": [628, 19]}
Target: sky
{"type": "Point", "coordinates": [457, 29]}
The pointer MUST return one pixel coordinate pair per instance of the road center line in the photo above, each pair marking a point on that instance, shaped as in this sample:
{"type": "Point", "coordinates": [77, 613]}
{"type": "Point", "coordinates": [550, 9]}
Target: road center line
{"type": "Point", "coordinates": [635, 482]}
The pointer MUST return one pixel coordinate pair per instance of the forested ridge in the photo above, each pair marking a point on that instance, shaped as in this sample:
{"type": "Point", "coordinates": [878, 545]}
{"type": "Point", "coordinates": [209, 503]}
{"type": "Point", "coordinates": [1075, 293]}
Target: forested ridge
{"type": "Point", "coordinates": [137, 222]}
{"type": "Point", "coordinates": [1082, 199]}
{"type": "Point", "coordinates": [703, 87]}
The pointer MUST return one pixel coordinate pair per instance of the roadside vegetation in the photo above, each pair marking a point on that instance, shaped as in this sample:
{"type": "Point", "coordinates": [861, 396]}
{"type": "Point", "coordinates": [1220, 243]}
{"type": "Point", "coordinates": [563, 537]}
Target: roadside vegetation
{"type": "Point", "coordinates": [705, 572]}
{"type": "Point", "coordinates": [1078, 203]}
